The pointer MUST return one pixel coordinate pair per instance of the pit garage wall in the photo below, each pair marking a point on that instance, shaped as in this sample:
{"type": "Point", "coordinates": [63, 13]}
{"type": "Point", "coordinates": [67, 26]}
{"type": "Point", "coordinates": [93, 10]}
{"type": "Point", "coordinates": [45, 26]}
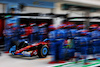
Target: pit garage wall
{"type": "Point", "coordinates": [58, 10]}
{"type": "Point", "coordinates": [95, 21]}
{"type": "Point", "coordinates": [2, 8]}
{"type": "Point", "coordinates": [33, 3]}
{"type": "Point", "coordinates": [30, 6]}
{"type": "Point", "coordinates": [29, 9]}
{"type": "Point", "coordinates": [44, 7]}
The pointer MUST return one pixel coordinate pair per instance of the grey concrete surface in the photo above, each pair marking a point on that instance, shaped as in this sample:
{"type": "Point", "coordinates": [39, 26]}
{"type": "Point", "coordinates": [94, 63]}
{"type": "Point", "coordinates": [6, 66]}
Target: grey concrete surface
{"type": "Point", "coordinates": [8, 61]}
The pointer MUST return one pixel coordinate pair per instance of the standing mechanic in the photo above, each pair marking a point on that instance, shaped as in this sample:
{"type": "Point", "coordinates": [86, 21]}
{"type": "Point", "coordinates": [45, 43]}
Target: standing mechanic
{"type": "Point", "coordinates": [72, 33]}
{"type": "Point", "coordinates": [8, 34]}
{"type": "Point", "coordinates": [22, 29]}
{"type": "Point", "coordinates": [34, 37]}
{"type": "Point", "coordinates": [57, 40]}
{"type": "Point", "coordinates": [52, 38]}
{"type": "Point", "coordinates": [42, 31]}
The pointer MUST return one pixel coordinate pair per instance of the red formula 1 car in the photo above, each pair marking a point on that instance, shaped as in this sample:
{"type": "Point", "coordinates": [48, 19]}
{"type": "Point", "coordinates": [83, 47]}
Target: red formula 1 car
{"type": "Point", "coordinates": [41, 49]}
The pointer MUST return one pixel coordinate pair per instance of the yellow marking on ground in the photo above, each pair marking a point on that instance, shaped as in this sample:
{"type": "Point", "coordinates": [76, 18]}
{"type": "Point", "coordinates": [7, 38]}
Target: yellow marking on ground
{"type": "Point", "coordinates": [45, 58]}
{"type": "Point", "coordinates": [29, 51]}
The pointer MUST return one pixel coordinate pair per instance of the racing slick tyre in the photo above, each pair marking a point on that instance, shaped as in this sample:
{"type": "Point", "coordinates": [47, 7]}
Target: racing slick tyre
{"type": "Point", "coordinates": [42, 51]}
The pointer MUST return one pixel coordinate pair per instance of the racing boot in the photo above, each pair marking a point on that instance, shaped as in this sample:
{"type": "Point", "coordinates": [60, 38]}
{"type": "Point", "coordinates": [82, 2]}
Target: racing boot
{"type": "Point", "coordinates": [52, 62]}
{"type": "Point", "coordinates": [6, 52]}
{"type": "Point", "coordinates": [61, 61]}
{"type": "Point", "coordinates": [86, 63]}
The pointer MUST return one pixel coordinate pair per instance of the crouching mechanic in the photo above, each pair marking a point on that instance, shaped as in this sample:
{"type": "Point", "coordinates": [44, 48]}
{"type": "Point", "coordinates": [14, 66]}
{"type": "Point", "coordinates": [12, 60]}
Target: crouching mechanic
{"type": "Point", "coordinates": [94, 43]}
{"type": "Point", "coordinates": [56, 41]}
{"type": "Point", "coordinates": [82, 44]}
{"type": "Point", "coordinates": [72, 33]}
{"type": "Point", "coordinates": [98, 43]}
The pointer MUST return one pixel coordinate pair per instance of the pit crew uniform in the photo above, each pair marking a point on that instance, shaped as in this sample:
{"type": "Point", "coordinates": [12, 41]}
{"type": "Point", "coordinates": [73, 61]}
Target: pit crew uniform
{"type": "Point", "coordinates": [34, 32]}
{"type": "Point", "coordinates": [22, 29]}
{"type": "Point", "coordinates": [28, 32]}
{"type": "Point", "coordinates": [8, 33]}
{"type": "Point", "coordinates": [94, 40]}
{"type": "Point", "coordinates": [82, 45]}
{"type": "Point", "coordinates": [42, 31]}
{"type": "Point", "coordinates": [56, 40]}
{"type": "Point", "coordinates": [72, 33]}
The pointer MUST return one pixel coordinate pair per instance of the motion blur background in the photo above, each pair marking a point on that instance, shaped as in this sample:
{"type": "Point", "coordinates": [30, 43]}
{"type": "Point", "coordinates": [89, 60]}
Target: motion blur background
{"type": "Point", "coordinates": [70, 8]}
{"type": "Point", "coordinates": [76, 11]}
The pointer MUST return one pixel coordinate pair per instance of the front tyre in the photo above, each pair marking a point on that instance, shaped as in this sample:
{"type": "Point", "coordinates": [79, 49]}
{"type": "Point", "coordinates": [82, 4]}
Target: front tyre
{"type": "Point", "coordinates": [42, 51]}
